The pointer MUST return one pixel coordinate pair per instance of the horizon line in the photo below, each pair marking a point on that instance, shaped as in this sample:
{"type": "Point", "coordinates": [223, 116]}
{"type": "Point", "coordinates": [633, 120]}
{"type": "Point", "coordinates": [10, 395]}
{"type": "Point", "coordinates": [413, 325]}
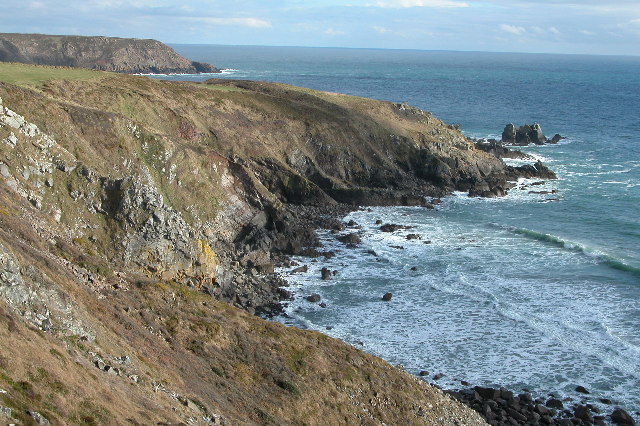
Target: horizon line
{"type": "Point", "coordinates": [405, 49]}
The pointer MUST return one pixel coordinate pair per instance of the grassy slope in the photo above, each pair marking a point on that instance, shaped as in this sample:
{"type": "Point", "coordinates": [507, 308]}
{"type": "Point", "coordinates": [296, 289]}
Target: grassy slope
{"type": "Point", "coordinates": [191, 355]}
{"type": "Point", "coordinates": [182, 343]}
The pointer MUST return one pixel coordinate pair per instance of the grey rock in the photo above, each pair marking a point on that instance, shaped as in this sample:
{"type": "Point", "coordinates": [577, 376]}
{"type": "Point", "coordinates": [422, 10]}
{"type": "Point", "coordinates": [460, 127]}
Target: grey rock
{"type": "Point", "coordinates": [536, 135]}
{"type": "Point", "coordinates": [4, 170]}
{"type": "Point", "coordinates": [11, 140]}
{"type": "Point", "coordinates": [509, 133]}
{"type": "Point", "coordinates": [39, 418]}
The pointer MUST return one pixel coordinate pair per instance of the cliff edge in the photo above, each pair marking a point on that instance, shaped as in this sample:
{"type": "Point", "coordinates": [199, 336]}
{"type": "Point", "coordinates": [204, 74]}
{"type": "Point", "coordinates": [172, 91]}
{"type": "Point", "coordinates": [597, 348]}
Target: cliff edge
{"type": "Point", "coordinates": [137, 216]}
{"type": "Point", "coordinates": [123, 55]}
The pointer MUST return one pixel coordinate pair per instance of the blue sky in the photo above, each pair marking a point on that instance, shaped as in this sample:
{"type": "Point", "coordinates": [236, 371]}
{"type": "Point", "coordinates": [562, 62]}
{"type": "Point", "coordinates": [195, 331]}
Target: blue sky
{"type": "Point", "coordinates": [550, 26]}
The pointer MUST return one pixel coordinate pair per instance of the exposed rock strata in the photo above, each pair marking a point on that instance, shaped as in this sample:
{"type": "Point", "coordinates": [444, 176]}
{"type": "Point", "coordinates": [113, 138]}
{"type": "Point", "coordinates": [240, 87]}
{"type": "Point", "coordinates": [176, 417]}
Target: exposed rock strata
{"type": "Point", "coordinates": [123, 55]}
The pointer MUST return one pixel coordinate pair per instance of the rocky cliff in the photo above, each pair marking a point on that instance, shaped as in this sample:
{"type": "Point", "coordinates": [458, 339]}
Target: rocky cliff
{"type": "Point", "coordinates": [131, 209]}
{"type": "Point", "coordinates": [124, 55]}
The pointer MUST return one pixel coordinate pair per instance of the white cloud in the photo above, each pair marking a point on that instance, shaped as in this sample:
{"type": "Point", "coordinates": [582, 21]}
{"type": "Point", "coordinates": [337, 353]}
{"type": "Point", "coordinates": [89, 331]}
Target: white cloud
{"type": "Point", "coordinates": [381, 30]}
{"type": "Point", "coordinates": [512, 29]}
{"type": "Point", "coordinates": [35, 5]}
{"type": "Point", "coordinates": [587, 32]}
{"type": "Point", "coordinates": [332, 32]}
{"type": "Point", "coordinates": [236, 22]}
{"type": "Point", "coordinates": [398, 4]}
{"type": "Point", "coordinates": [554, 30]}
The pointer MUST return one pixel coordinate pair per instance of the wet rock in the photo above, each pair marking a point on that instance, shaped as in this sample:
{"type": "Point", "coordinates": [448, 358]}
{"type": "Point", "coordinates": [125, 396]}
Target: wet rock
{"type": "Point", "coordinates": [582, 389]}
{"type": "Point", "coordinates": [606, 401]}
{"type": "Point", "coordinates": [392, 227]}
{"type": "Point", "coordinates": [387, 297]}
{"type": "Point", "coordinates": [423, 373]}
{"type": "Point", "coordinates": [413, 237]}
{"type": "Point", "coordinates": [438, 376]}
{"type": "Point", "coordinates": [325, 274]}
{"type": "Point", "coordinates": [414, 268]}
{"type": "Point", "coordinates": [378, 222]}
{"type": "Point", "coordinates": [323, 305]}
{"type": "Point", "coordinates": [300, 269]}
{"type": "Point", "coordinates": [621, 417]}
{"type": "Point", "coordinates": [314, 298]}
{"type": "Point", "coordinates": [555, 139]}
{"type": "Point", "coordinates": [555, 403]}
{"type": "Point", "coordinates": [351, 240]}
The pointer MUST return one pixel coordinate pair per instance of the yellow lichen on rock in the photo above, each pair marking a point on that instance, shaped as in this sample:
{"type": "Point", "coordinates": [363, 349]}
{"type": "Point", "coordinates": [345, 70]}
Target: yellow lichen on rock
{"type": "Point", "coordinates": [207, 261]}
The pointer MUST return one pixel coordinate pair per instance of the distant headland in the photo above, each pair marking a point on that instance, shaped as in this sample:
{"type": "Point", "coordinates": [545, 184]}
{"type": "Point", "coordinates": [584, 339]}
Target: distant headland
{"type": "Point", "coordinates": [123, 55]}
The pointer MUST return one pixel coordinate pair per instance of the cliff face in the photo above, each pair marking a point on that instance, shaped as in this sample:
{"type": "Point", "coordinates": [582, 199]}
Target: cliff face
{"type": "Point", "coordinates": [124, 55]}
{"type": "Point", "coordinates": [126, 203]}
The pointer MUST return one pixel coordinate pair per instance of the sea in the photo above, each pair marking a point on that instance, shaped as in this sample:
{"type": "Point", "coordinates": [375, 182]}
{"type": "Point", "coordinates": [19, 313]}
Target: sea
{"type": "Point", "coordinates": [535, 291]}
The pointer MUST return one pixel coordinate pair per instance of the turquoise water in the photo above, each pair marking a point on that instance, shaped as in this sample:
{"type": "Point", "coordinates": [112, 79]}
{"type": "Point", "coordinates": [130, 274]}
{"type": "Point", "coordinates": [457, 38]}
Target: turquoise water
{"type": "Point", "coordinates": [528, 291]}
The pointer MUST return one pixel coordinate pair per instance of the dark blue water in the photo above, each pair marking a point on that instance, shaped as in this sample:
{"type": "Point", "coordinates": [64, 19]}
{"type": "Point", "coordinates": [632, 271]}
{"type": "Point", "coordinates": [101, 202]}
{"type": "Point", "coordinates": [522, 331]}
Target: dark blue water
{"type": "Point", "coordinates": [532, 290]}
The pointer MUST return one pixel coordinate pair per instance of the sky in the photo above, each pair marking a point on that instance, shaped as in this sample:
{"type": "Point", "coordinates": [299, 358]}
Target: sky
{"type": "Point", "coordinates": [546, 26]}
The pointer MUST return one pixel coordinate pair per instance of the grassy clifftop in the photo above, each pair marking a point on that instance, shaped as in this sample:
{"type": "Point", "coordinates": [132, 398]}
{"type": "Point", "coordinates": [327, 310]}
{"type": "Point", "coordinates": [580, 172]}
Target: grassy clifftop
{"type": "Point", "coordinates": [127, 203]}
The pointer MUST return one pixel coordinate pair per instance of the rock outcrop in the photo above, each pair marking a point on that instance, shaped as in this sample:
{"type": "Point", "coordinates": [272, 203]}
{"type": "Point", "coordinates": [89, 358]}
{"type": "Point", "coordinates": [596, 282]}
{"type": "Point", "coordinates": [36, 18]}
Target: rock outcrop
{"type": "Point", "coordinates": [526, 135]}
{"type": "Point", "coordinates": [124, 55]}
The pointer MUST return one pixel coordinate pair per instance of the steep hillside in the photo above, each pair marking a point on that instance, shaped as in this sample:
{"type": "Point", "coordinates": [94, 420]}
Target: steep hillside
{"type": "Point", "coordinates": [125, 55]}
{"type": "Point", "coordinates": [130, 207]}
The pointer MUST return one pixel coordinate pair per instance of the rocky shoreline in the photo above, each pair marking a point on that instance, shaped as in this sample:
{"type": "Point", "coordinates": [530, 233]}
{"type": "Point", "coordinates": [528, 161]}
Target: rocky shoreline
{"type": "Point", "coordinates": [498, 406]}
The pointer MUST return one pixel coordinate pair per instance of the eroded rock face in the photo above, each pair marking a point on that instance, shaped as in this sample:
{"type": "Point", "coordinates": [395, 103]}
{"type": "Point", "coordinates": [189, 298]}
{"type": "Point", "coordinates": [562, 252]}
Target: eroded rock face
{"type": "Point", "coordinates": [38, 300]}
{"type": "Point", "coordinates": [157, 237]}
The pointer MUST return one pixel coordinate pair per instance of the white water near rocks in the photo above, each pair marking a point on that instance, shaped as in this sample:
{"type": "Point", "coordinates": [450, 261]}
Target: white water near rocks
{"type": "Point", "coordinates": [473, 310]}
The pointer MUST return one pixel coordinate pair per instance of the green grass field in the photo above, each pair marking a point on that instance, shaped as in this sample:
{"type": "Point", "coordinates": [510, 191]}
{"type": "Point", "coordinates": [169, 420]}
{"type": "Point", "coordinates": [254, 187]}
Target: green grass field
{"type": "Point", "coordinates": [36, 75]}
